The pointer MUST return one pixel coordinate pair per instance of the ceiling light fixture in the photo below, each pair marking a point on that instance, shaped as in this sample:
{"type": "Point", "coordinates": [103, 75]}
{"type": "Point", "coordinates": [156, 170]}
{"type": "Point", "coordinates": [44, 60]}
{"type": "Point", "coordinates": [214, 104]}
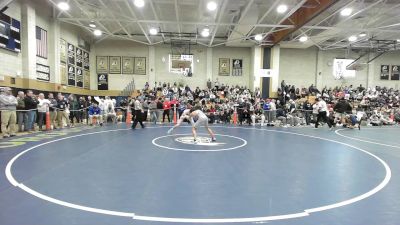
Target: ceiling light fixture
{"type": "Point", "coordinates": [258, 37]}
{"type": "Point", "coordinates": [63, 6]}
{"type": "Point", "coordinates": [205, 32]}
{"type": "Point", "coordinates": [346, 12]}
{"type": "Point", "coordinates": [153, 31]}
{"type": "Point", "coordinates": [303, 39]}
{"type": "Point", "coordinates": [97, 32]}
{"type": "Point", "coordinates": [282, 8]}
{"type": "Point", "coordinates": [362, 35]}
{"type": "Point", "coordinates": [398, 40]}
{"type": "Point", "coordinates": [92, 25]}
{"type": "Point", "coordinates": [211, 6]}
{"type": "Point", "coordinates": [353, 38]}
{"type": "Point", "coordinates": [138, 3]}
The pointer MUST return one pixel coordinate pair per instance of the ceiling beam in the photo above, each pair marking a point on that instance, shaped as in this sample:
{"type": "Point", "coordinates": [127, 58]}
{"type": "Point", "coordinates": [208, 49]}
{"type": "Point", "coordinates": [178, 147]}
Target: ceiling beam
{"type": "Point", "coordinates": [270, 9]}
{"type": "Point", "coordinates": [180, 22]}
{"type": "Point", "coordinates": [106, 36]}
{"type": "Point", "coordinates": [221, 13]}
{"type": "Point", "coordinates": [137, 21]}
{"type": "Point", "coordinates": [5, 3]}
{"type": "Point", "coordinates": [242, 16]}
{"type": "Point", "coordinates": [84, 12]}
{"type": "Point", "coordinates": [301, 17]}
{"type": "Point", "coordinates": [68, 14]}
{"type": "Point", "coordinates": [300, 4]}
{"type": "Point", "coordinates": [153, 9]}
{"type": "Point", "coordinates": [110, 34]}
{"type": "Point", "coordinates": [177, 16]}
{"type": "Point", "coordinates": [360, 11]}
{"type": "Point", "coordinates": [325, 19]}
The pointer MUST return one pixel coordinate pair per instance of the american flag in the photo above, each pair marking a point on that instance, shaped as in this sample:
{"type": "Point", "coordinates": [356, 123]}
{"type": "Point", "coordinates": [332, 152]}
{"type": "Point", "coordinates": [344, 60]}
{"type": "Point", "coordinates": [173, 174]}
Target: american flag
{"type": "Point", "coordinates": [41, 42]}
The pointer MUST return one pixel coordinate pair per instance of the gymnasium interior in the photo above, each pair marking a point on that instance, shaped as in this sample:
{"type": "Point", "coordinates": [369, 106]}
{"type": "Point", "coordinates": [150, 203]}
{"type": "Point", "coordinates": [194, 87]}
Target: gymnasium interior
{"type": "Point", "coordinates": [158, 112]}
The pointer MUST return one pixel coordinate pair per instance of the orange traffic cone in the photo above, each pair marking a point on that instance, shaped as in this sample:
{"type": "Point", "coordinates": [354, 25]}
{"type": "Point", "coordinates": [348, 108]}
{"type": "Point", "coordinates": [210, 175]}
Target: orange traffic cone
{"type": "Point", "coordinates": [128, 117]}
{"type": "Point", "coordinates": [235, 117]}
{"type": "Point", "coordinates": [174, 114]}
{"type": "Point", "coordinates": [48, 123]}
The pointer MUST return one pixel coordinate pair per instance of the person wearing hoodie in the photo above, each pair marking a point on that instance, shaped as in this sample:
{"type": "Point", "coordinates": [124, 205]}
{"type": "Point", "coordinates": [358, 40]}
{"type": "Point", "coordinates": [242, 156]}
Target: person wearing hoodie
{"type": "Point", "coordinates": [8, 107]}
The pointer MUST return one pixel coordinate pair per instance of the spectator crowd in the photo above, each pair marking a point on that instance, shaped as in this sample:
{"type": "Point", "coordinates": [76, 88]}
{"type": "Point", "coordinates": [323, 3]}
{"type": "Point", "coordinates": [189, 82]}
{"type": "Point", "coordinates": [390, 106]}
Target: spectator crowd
{"type": "Point", "coordinates": [345, 106]}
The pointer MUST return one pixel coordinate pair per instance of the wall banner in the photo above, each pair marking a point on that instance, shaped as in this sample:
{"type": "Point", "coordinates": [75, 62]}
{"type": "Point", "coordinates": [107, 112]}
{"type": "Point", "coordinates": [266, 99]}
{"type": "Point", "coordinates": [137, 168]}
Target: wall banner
{"type": "Point", "coordinates": [102, 64]}
{"type": "Point", "coordinates": [63, 74]}
{"type": "Point", "coordinates": [71, 75]}
{"type": "Point", "coordinates": [71, 54]}
{"type": "Point", "coordinates": [86, 61]}
{"type": "Point", "coordinates": [79, 57]}
{"type": "Point", "coordinates": [102, 81]}
{"type": "Point", "coordinates": [395, 72]}
{"type": "Point", "coordinates": [237, 67]}
{"type": "Point", "coordinates": [224, 67]}
{"type": "Point", "coordinates": [86, 79]}
{"type": "Point", "coordinates": [79, 77]}
{"type": "Point", "coordinates": [63, 50]}
{"type": "Point", "coordinates": [127, 65]}
{"type": "Point", "coordinates": [140, 65]}
{"type": "Point", "coordinates": [115, 64]}
{"type": "Point", "coordinates": [384, 72]}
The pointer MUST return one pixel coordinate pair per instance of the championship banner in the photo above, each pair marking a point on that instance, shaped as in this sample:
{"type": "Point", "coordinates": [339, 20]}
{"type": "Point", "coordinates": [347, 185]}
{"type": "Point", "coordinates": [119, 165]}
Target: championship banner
{"type": "Point", "coordinates": [63, 50]}
{"type": "Point", "coordinates": [140, 65]}
{"type": "Point", "coordinates": [42, 72]}
{"type": "Point", "coordinates": [79, 57]}
{"type": "Point", "coordinates": [71, 75]}
{"type": "Point", "coordinates": [127, 65]}
{"type": "Point", "coordinates": [102, 81]}
{"type": "Point", "coordinates": [86, 62]}
{"type": "Point", "coordinates": [384, 72]}
{"type": "Point", "coordinates": [395, 73]}
{"type": "Point", "coordinates": [237, 67]}
{"type": "Point", "coordinates": [102, 64]}
{"type": "Point", "coordinates": [86, 79]}
{"type": "Point", "coordinates": [63, 74]}
{"type": "Point", "coordinates": [79, 77]}
{"type": "Point", "coordinates": [71, 54]}
{"type": "Point", "coordinates": [115, 64]}
{"type": "Point", "coordinates": [224, 67]}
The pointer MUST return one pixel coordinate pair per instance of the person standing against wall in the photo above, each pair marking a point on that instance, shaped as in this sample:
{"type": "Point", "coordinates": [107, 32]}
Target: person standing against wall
{"type": "Point", "coordinates": [53, 110]}
{"type": "Point", "coordinates": [62, 106]}
{"type": "Point", "coordinates": [73, 110]}
{"type": "Point", "coordinates": [22, 116]}
{"type": "Point", "coordinates": [8, 107]}
{"type": "Point", "coordinates": [31, 104]}
{"type": "Point", "coordinates": [89, 103]}
{"type": "Point", "coordinates": [43, 106]}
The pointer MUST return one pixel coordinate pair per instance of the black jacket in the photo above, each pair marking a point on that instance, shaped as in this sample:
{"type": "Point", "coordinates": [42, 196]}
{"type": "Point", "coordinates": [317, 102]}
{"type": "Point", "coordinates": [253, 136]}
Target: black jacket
{"type": "Point", "coordinates": [30, 103]}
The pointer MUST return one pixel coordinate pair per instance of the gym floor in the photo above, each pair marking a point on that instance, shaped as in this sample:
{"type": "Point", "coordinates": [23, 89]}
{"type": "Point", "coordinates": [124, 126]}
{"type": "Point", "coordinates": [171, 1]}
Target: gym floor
{"type": "Point", "coordinates": [115, 175]}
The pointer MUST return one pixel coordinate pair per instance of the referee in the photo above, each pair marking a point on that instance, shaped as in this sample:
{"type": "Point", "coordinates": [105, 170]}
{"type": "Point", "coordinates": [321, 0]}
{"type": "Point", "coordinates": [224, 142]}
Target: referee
{"type": "Point", "coordinates": [138, 107]}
